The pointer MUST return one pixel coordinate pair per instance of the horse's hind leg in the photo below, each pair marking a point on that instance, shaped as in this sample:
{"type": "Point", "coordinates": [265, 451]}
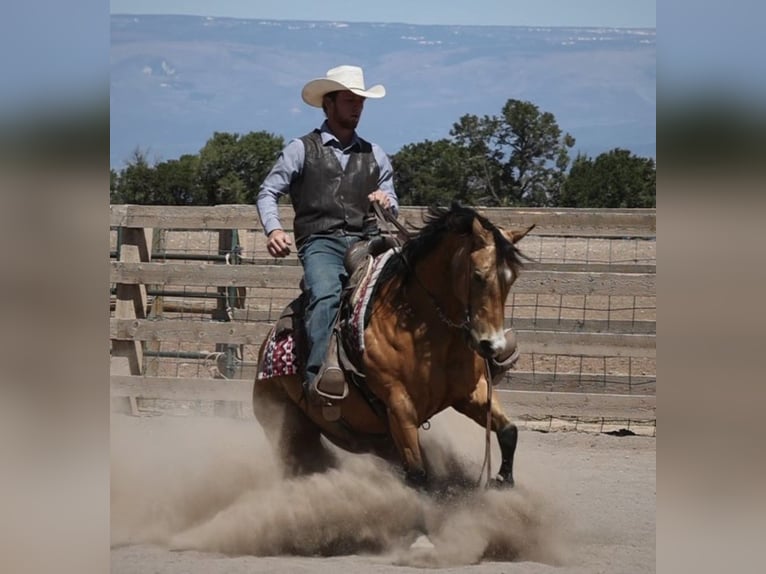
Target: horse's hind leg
{"type": "Point", "coordinates": [300, 444]}
{"type": "Point", "coordinates": [475, 408]}
{"type": "Point", "coordinates": [296, 439]}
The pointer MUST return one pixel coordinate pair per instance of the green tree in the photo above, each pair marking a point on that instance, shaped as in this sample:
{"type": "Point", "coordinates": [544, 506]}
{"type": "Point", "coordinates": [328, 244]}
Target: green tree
{"type": "Point", "coordinates": [137, 182]}
{"type": "Point", "coordinates": [616, 178]}
{"type": "Point", "coordinates": [228, 169]}
{"type": "Point", "coordinates": [173, 182]}
{"type": "Point", "coordinates": [520, 157]}
{"type": "Point", "coordinates": [232, 167]}
{"type": "Point", "coordinates": [178, 181]}
{"type": "Point", "coordinates": [114, 181]}
{"type": "Point", "coordinates": [431, 172]}
{"type": "Point", "coordinates": [483, 159]}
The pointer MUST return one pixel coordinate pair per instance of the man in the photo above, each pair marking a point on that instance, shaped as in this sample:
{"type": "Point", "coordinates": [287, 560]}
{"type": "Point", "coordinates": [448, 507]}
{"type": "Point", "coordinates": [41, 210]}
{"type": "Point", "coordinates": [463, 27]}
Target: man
{"type": "Point", "coordinates": [332, 176]}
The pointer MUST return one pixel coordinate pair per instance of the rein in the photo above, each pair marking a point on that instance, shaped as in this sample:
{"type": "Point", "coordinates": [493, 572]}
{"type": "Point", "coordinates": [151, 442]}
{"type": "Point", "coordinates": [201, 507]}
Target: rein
{"type": "Point", "coordinates": [387, 218]}
{"type": "Point", "coordinates": [488, 429]}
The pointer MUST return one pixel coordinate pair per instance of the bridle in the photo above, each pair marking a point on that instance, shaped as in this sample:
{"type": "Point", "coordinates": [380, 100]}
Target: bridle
{"type": "Point", "coordinates": [387, 218]}
{"type": "Point", "coordinates": [465, 326]}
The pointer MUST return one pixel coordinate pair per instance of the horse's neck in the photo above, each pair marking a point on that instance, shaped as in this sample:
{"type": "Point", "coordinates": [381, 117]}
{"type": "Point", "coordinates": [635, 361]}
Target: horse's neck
{"type": "Point", "coordinates": [431, 285]}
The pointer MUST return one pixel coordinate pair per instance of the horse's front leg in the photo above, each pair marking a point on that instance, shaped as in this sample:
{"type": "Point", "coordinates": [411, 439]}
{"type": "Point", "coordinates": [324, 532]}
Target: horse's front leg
{"type": "Point", "coordinates": [475, 407]}
{"type": "Point", "coordinates": [507, 437]}
{"type": "Point", "coordinates": [403, 425]}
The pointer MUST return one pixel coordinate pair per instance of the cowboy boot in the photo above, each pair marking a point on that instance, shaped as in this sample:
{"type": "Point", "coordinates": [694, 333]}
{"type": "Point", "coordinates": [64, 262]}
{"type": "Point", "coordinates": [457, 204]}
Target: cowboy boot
{"type": "Point", "coordinates": [331, 381]}
{"type": "Point", "coordinates": [504, 361]}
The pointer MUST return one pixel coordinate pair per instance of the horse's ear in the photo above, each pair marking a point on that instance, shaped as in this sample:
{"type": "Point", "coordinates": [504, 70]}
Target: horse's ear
{"type": "Point", "coordinates": [516, 235]}
{"type": "Point", "coordinates": [481, 236]}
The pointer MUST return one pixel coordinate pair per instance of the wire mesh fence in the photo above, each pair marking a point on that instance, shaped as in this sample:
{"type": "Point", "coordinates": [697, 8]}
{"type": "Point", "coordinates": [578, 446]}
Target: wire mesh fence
{"type": "Point", "coordinates": [624, 371]}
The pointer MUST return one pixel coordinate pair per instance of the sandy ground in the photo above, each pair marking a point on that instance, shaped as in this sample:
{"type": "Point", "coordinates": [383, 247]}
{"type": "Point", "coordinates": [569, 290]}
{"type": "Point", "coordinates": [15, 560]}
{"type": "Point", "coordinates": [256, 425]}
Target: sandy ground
{"type": "Point", "coordinates": [203, 495]}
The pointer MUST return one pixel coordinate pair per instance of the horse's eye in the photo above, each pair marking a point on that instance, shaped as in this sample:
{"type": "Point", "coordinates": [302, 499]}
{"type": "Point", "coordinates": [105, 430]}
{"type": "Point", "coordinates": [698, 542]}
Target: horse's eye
{"type": "Point", "coordinates": [478, 277]}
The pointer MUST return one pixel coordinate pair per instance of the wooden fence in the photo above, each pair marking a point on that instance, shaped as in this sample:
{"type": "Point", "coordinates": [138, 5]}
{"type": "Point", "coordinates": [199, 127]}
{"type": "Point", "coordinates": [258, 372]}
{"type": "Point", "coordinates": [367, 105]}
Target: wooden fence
{"type": "Point", "coordinates": [199, 279]}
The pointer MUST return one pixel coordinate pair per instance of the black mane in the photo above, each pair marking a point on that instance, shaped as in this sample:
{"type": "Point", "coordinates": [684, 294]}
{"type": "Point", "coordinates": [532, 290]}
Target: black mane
{"type": "Point", "coordinates": [438, 221]}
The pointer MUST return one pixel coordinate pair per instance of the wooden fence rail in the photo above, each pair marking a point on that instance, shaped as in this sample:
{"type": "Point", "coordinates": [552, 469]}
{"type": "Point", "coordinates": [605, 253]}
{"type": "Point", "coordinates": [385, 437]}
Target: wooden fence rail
{"type": "Point", "coordinates": [288, 277]}
{"type": "Point", "coordinates": [140, 325]}
{"type": "Point", "coordinates": [549, 221]}
{"type": "Point", "coordinates": [541, 342]}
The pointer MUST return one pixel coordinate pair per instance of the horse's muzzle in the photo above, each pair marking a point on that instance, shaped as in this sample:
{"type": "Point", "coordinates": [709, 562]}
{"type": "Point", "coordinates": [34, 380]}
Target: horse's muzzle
{"type": "Point", "coordinates": [499, 348]}
{"type": "Point", "coordinates": [486, 349]}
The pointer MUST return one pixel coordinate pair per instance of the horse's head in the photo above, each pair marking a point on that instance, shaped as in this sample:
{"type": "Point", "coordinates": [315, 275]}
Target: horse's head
{"type": "Point", "coordinates": [468, 267]}
{"type": "Point", "coordinates": [483, 268]}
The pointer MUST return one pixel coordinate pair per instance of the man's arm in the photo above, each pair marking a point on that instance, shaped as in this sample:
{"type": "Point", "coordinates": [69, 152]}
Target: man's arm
{"type": "Point", "coordinates": [288, 166]}
{"type": "Point", "coordinates": [385, 181]}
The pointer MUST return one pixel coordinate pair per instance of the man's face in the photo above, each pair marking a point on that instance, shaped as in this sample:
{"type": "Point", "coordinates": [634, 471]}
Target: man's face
{"type": "Point", "coordinates": [346, 110]}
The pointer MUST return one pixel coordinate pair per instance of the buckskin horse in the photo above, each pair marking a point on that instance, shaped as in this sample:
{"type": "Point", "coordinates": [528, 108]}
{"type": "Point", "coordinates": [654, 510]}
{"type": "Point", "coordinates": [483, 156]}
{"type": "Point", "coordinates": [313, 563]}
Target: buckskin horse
{"type": "Point", "coordinates": [433, 316]}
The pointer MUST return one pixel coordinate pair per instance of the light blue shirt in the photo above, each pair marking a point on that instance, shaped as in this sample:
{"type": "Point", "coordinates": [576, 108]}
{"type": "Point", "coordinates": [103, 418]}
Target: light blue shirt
{"type": "Point", "coordinates": [289, 166]}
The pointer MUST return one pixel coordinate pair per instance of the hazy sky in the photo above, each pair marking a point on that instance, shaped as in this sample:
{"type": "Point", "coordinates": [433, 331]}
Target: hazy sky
{"type": "Point", "coordinates": [609, 13]}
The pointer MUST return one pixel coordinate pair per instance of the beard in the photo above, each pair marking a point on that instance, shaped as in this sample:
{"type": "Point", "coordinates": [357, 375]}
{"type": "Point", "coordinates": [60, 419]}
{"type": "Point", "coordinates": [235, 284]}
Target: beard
{"type": "Point", "coordinates": [348, 123]}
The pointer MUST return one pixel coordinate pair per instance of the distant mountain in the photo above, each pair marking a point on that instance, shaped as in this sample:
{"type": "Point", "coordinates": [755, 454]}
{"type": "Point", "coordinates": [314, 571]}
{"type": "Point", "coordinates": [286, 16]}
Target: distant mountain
{"type": "Point", "coordinates": [177, 79]}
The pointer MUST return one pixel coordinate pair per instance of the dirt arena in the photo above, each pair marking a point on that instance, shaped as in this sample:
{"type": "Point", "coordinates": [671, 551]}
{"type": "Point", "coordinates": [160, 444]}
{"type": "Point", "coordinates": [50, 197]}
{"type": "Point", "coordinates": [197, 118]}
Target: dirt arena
{"type": "Point", "coordinates": [202, 495]}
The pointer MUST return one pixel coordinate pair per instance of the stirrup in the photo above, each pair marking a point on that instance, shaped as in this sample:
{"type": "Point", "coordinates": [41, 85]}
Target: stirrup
{"type": "Point", "coordinates": [328, 391]}
{"type": "Point", "coordinates": [330, 407]}
{"type": "Point", "coordinates": [331, 384]}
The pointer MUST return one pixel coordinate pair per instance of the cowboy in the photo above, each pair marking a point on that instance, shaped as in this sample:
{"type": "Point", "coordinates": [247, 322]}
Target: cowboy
{"type": "Point", "coordinates": [332, 176]}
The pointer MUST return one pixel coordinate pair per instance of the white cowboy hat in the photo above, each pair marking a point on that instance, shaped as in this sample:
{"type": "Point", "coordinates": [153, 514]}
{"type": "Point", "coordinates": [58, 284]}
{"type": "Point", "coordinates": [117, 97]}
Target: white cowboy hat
{"type": "Point", "coordinates": [341, 78]}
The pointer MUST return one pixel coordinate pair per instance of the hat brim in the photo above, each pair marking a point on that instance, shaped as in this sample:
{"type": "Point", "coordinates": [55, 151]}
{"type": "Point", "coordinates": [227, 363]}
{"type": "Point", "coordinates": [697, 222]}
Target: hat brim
{"type": "Point", "coordinates": [314, 91]}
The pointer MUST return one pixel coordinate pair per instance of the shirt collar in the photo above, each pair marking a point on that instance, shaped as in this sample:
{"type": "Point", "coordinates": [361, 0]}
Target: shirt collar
{"type": "Point", "coordinates": [328, 137]}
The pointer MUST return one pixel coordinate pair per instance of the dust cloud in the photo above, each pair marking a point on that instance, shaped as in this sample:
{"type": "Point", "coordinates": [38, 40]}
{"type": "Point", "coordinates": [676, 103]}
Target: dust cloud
{"type": "Point", "coordinates": [213, 485]}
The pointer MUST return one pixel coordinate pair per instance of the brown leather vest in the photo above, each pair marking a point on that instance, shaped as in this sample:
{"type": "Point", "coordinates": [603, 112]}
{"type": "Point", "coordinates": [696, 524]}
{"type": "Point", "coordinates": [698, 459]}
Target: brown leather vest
{"type": "Point", "coordinates": [327, 198]}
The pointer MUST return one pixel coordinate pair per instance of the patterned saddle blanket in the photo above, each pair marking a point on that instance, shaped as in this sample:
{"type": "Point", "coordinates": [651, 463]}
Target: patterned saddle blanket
{"type": "Point", "coordinates": [285, 352]}
{"type": "Point", "coordinates": [280, 358]}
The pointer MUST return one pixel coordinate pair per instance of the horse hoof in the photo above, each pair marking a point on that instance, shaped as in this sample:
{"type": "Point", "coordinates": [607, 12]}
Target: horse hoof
{"type": "Point", "coordinates": [417, 480]}
{"type": "Point", "coordinates": [501, 482]}
{"type": "Point", "coordinates": [422, 543]}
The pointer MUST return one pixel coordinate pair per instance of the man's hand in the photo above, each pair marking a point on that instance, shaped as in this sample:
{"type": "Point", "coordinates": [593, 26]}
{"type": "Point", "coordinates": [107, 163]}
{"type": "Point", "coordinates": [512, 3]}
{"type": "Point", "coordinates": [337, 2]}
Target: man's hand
{"type": "Point", "coordinates": [381, 198]}
{"type": "Point", "coordinates": [279, 243]}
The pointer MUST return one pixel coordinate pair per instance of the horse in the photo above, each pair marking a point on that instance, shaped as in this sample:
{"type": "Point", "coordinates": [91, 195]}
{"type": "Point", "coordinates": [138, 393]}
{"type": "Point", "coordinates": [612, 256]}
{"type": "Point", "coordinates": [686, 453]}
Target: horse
{"type": "Point", "coordinates": [434, 317]}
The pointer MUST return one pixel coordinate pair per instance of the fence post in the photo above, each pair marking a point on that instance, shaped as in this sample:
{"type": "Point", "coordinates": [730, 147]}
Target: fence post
{"type": "Point", "coordinates": [229, 298]}
{"type": "Point", "coordinates": [158, 304]}
{"type": "Point", "coordinates": [127, 355]}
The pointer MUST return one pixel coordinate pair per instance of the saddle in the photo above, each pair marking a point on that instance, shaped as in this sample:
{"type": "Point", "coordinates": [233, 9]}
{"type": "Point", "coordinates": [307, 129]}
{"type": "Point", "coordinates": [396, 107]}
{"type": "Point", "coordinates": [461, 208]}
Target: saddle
{"type": "Point", "coordinates": [287, 349]}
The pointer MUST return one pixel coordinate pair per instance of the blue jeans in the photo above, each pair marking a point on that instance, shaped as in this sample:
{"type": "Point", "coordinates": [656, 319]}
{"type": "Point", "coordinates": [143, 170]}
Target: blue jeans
{"type": "Point", "coordinates": [324, 276]}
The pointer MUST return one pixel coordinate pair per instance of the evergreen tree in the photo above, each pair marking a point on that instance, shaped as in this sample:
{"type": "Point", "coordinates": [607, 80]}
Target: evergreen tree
{"type": "Point", "coordinates": [431, 172]}
{"type": "Point", "coordinates": [614, 179]}
{"type": "Point", "coordinates": [524, 154]}
{"type": "Point", "coordinates": [137, 182]}
{"type": "Point", "coordinates": [228, 169]}
{"type": "Point", "coordinates": [232, 167]}
{"type": "Point", "coordinates": [178, 181]}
